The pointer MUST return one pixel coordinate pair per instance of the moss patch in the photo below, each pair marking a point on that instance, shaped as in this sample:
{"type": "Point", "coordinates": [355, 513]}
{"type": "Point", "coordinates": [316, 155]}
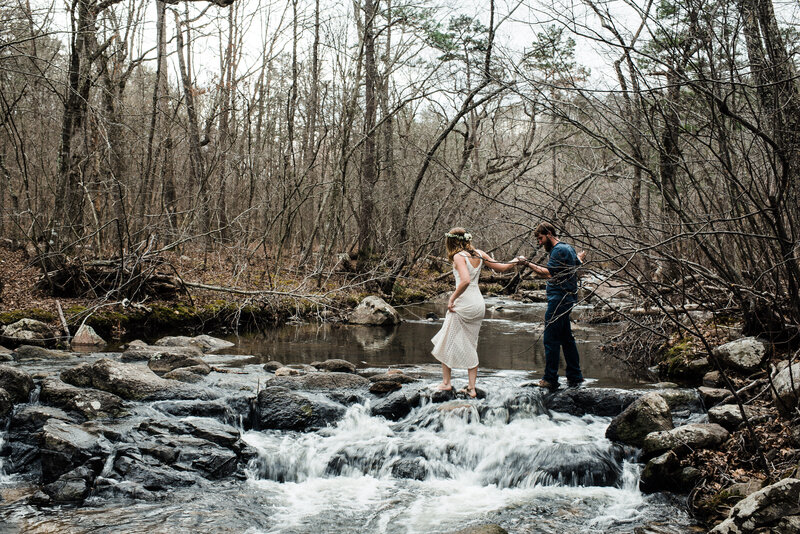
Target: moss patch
{"type": "Point", "coordinates": [34, 313]}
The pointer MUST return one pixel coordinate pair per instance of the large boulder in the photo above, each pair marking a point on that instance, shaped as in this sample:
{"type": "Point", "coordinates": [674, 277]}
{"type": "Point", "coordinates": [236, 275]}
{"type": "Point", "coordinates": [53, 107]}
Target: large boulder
{"type": "Point", "coordinates": [606, 402]}
{"type": "Point", "coordinates": [32, 352]}
{"type": "Point", "coordinates": [399, 377]}
{"type": "Point", "coordinates": [282, 409]}
{"type": "Point", "coordinates": [203, 342]}
{"type": "Point", "coordinates": [383, 387]}
{"type": "Point", "coordinates": [374, 311]}
{"type": "Point", "coordinates": [745, 354]}
{"type": "Point", "coordinates": [65, 446]}
{"type": "Point", "coordinates": [162, 364]}
{"type": "Point", "coordinates": [73, 486]}
{"type": "Point", "coordinates": [333, 365]}
{"type": "Point", "coordinates": [28, 331]}
{"type": "Point", "coordinates": [687, 437]}
{"type": "Point", "coordinates": [664, 473]}
{"type": "Point", "coordinates": [712, 396]}
{"type": "Point", "coordinates": [320, 381]}
{"type": "Point", "coordinates": [87, 337]}
{"type": "Point", "coordinates": [396, 405]}
{"type": "Point", "coordinates": [129, 381]}
{"type": "Point", "coordinates": [140, 352]}
{"type": "Point", "coordinates": [648, 413]}
{"type": "Point", "coordinates": [17, 383]}
{"type": "Point", "coordinates": [91, 403]}
{"type": "Point", "coordinates": [763, 509]}
{"type": "Point", "coordinates": [787, 388]}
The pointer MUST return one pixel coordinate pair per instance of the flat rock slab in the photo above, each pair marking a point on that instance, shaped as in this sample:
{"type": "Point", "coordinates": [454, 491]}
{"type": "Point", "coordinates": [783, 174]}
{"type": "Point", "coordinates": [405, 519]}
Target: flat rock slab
{"type": "Point", "coordinates": [131, 382]}
{"type": "Point", "coordinates": [139, 352]}
{"type": "Point", "coordinates": [691, 436]}
{"type": "Point", "coordinates": [282, 409]}
{"type": "Point", "coordinates": [31, 352]}
{"type": "Point", "coordinates": [320, 381]}
{"type": "Point", "coordinates": [203, 342]}
{"type": "Point", "coordinates": [91, 403]}
{"type": "Point", "coordinates": [334, 365]}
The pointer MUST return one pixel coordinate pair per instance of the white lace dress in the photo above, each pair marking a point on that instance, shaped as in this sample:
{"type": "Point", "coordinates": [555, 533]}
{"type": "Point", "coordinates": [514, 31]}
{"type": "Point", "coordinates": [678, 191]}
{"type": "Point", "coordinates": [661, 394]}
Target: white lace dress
{"type": "Point", "coordinates": [456, 344]}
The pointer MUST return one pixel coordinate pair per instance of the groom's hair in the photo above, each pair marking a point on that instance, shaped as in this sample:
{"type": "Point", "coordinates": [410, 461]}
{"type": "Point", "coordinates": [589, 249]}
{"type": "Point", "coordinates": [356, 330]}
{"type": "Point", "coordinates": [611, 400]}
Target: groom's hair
{"type": "Point", "coordinates": [546, 228]}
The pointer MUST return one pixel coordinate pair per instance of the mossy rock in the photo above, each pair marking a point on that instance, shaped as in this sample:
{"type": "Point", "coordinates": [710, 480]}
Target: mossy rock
{"type": "Point", "coordinates": [13, 316]}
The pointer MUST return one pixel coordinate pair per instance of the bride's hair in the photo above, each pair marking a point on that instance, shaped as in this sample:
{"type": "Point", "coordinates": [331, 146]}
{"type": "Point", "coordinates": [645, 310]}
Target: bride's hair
{"type": "Point", "coordinates": [456, 240]}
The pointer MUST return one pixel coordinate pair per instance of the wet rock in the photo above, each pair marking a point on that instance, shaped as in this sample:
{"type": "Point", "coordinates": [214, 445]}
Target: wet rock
{"type": "Point", "coordinates": [282, 409]}
{"type": "Point", "coordinates": [203, 342]}
{"type": "Point", "coordinates": [162, 364]}
{"type": "Point", "coordinates": [763, 509]}
{"type": "Point", "coordinates": [5, 406]}
{"type": "Point", "coordinates": [31, 352]}
{"type": "Point", "coordinates": [225, 410]}
{"type": "Point", "coordinates": [189, 375]}
{"type": "Point", "coordinates": [272, 366]}
{"type": "Point", "coordinates": [606, 402]}
{"type": "Point", "coordinates": [335, 366]}
{"type": "Point", "coordinates": [108, 488]}
{"type": "Point", "coordinates": [687, 437]}
{"type": "Point", "coordinates": [730, 417]}
{"type": "Point", "coordinates": [396, 406]}
{"type": "Point", "coordinates": [785, 394]}
{"type": "Point", "coordinates": [440, 395]}
{"type": "Point", "coordinates": [558, 463]}
{"type": "Point", "coordinates": [374, 311]}
{"type": "Point", "coordinates": [90, 403]}
{"type": "Point", "coordinates": [383, 387]}
{"type": "Point", "coordinates": [72, 486]}
{"type": "Point", "coordinates": [660, 473]}
{"type": "Point", "coordinates": [87, 337]}
{"type": "Point", "coordinates": [142, 353]}
{"type": "Point", "coordinates": [682, 400]}
{"type": "Point", "coordinates": [481, 529]}
{"type": "Point", "coordinates": [745, 354]}
{"type": "Point", "coordinates": [28, 331]}
{"type": "Point", "coordinates": [410, 468]}
{"type": "Point", "coordinates": [395, 375]}
{"type": "Point", "coordinates": [287, 371]}
{"type": "Point", "coordinates": [65, 446]}
{"type": "Point", "coordinates": [649, 413]}
{"type": "Point", "coordinates": [17, 383]}
{"type": "Point", "coordinates": [151, 474]}
{"type": "Point", "coordinates": [131, 382]}
{"type": "Point", "coordinates": [320, 381]}
{"type": "Point", "coordinates": [712, 396]}
{"type": "Point", "coordinates": [29, 420]}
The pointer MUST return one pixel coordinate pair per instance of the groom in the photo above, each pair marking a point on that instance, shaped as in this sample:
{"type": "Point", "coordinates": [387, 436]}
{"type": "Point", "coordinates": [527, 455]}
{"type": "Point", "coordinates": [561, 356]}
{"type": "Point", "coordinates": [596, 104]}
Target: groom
{"type": "Point", "coordinates": [562, 294]}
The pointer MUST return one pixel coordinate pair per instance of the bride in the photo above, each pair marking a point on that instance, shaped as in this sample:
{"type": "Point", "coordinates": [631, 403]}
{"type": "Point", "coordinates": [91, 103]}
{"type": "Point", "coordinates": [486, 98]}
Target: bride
{"type": "Point", "coordinates": [455, 345]}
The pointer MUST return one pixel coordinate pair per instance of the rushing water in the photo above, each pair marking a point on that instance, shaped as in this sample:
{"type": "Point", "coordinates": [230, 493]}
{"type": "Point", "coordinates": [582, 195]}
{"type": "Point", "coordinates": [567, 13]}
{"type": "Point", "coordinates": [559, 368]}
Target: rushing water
{"type": "Point", "coordinates": [503, 459]}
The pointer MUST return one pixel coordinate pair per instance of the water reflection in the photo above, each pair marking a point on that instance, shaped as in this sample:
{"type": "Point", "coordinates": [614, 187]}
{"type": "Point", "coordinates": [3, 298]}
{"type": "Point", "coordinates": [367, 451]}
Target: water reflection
{"type": "Point", "coordinates": [511, 338]}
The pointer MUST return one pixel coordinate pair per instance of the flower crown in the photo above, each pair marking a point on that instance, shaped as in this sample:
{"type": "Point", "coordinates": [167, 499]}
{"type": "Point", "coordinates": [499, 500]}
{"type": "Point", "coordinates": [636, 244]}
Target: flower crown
{"type": "Point", "coordinates": [466, 237]}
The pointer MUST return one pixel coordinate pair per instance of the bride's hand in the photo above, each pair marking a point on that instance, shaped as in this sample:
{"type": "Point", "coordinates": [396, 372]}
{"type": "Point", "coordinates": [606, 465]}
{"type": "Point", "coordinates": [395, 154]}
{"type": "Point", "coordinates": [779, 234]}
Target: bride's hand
{"type": "Point", "coordinates": [451, 305]}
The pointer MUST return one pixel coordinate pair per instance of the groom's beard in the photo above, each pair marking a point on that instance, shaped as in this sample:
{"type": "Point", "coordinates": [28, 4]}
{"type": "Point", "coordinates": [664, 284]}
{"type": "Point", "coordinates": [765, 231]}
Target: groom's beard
{"type": "Point", "coordinates": [548, 246]}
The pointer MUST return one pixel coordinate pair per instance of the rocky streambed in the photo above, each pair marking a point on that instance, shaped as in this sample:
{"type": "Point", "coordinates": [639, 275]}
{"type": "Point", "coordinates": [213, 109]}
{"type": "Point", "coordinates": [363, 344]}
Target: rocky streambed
{"type": "Point", "coordinates": [165, 438]}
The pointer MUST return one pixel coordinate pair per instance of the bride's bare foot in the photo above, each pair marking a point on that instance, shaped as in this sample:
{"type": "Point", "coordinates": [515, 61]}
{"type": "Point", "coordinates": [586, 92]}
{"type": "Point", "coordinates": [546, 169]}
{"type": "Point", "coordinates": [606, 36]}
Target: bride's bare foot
{"type": "Point", "coordinates": [445, 387]}
{"type": "Point", "coordinates": [469, 392]}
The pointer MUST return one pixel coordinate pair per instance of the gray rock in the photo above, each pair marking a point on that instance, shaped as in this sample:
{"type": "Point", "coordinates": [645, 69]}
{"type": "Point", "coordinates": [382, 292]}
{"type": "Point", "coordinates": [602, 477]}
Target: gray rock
{"type": "Point", "coordinates": [682, 400]}
{"type": "Point", "coordinates": [131, 382]}
{"type": "Point", "coordinates": [745, 354]}
{"type": "Point", "coordinates": [73, 486]}
{"type": "Point", "coordinates": [31, 352]}
{"type": "Point", "coordinates": [410, 468]}
{"type": "Point", "coordinates": [712, 396]}
{"type": "Point", "coordinates": [764, 508]}
{"type": "Point", "coordinates": [87, 337]}
{"type": "Point", "coordinates": [6, 405]}
{"type": "Point", "coordinates": [189, 375]}
{"type": "Point", "coordinates": [659, 474]}
{"type": "Point", "coordinates": [29, 420]}
{"type": "Point", "coordinates": [65, 446]}
{"type": "Point", "coordinates": [687, 437]}
{"type": "Point", "coordinates": [606, 402]}
{"type": "Point", "coordinates": [400, 378]}
{"type": "Point", "coordinates": [281, 409]}
{"type": "Point", "coordinates": [142, 353]}
{"type": "Point", "coordinates": [91, 403]}
{"type": "Point", "coordinates": [397, 405]}
{"type": "Point", "coordinates": [29, 331]}
{"type": "Point", "coordinates": [203, 342]}
{"type": "Point", "coordinates": [649, 413]}
{"type": "Point", "coordinates": [712, 379]}
{"type": "Point", "coordinates": [17, 383]}
{"type": "Point", "coordinates": [383, 387]}
{"type": "Point", "coordinates": [334, 365]}
{"type": "Point", "coordinates": [108, 488]}
{"type": "Point", "coordinates": [374, 311]}
{"type": "Point", "coordinates": [4, 350]}
{"type": "Point", "coordinates": [287, 371]}
{"type": "Point", "coordinates": [730, 417]}
{"type": "Point", "coordinates": [320, 381]}
{"type": "Point", "coordinates": [162, 364]}
{"type": "Point", "coordinates": [272, 366]}
{"type": "Point", "coordinates": [787, 388]}
{"type": "Point", "coordinates": [481, 529]}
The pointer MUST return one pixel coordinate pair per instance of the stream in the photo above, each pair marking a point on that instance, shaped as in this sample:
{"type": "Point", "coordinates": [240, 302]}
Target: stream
{"type": "Point", "coordinates": [505, 459]}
